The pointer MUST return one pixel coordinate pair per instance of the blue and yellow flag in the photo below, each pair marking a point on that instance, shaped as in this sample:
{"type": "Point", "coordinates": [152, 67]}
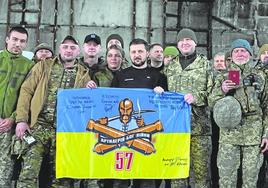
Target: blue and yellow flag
{"type": "Point", "coordinates": [122, 133]}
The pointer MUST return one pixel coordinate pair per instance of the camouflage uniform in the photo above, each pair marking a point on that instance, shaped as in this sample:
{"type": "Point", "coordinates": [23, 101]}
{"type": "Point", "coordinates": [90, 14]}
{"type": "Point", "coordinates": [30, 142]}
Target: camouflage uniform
{"type": "Point", "coordinates": [104, 77]}
{"type": "Point", "coordinates": [13, 70]}
{"type": "Point", "coordinates": [215, 137]}
{"type": "Point", "coordinates": [242, 143]}
{"type": "Point", "coordinates": [263, 177]}
{"type": "Point", "coordinates": [36, 105]}
{"type": "Point", "coordinates": [100, 66]}
{"type": "Point", "coordinates": [216, 73]}
{"type": "Point", "coordinates": [195, 79]}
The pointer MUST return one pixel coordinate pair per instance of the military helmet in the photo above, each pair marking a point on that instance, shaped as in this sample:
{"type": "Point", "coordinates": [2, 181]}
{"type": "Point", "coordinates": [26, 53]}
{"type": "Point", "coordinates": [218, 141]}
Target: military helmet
{"type": "Point", "coordinates": [227, 112]}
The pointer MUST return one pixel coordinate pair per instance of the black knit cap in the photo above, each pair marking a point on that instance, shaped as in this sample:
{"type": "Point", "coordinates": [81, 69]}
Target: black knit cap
{"type": "Point", "coordinates": [117, 37]}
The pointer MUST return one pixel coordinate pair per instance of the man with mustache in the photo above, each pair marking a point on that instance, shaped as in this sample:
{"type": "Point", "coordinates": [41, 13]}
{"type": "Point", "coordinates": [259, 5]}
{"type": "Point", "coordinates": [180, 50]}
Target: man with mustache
{"type": "Point", "coordinates": [13, 70]}
{"type": "Point", "coordinates": [219, 65]}
{"type": "Point", "coordinates": [219, 62]}
{"type": "Point", "coordinates": [36, 110]}
{"type": "Point", "coordinates": [138, 75]}
{"type": "Point", "coordinates": [246, 142]}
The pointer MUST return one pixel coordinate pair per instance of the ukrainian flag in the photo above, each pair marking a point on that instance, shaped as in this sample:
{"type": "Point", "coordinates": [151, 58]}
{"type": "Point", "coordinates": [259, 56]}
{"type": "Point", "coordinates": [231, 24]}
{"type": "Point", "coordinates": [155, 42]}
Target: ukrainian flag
{"type": "Point", "coordinates": [93, 142]}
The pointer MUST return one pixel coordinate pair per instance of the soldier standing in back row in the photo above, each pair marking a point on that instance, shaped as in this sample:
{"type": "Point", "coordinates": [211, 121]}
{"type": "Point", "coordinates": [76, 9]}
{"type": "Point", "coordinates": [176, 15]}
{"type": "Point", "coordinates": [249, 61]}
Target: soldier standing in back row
{"type": "Point", "coordinates": [42, 52]}
{"type": "Point", "coordinates": [219, 64]}
{"type": "Point", "coordinates": [245, 142]}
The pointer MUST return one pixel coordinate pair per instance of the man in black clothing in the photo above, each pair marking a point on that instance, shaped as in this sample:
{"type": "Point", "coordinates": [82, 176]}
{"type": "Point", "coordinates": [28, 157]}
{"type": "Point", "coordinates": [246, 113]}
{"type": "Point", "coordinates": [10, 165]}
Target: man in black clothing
{"type": "Point", "coordinates": [138, 75]}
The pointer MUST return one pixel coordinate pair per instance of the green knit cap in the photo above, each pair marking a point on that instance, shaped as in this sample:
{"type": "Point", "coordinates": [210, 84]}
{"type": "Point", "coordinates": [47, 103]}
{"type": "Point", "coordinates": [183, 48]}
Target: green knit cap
{"type": "Point", "coordinates": [187, 33]}
{"type": "Point", "coordinates": [171, 50]}
{"type": "Point", "coordinates": [263, 49]}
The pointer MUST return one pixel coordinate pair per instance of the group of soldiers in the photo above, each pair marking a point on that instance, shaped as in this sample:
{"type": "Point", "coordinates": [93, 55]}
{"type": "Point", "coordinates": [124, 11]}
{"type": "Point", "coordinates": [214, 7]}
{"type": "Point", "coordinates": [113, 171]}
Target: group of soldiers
{"type": "Point", "coordinates": [29, 89]}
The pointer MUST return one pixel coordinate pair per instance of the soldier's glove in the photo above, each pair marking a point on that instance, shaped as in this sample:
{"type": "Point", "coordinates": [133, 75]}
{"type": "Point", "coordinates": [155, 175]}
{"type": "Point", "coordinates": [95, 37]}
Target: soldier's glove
{"type": "Point", "coordinates": [103, 121]}
{"type": "Point", "coordinates": [140, 121]}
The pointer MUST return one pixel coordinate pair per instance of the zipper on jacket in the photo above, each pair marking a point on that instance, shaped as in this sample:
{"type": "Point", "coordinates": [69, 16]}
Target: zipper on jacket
{"type": "Point", "coordinates": [9, 75]}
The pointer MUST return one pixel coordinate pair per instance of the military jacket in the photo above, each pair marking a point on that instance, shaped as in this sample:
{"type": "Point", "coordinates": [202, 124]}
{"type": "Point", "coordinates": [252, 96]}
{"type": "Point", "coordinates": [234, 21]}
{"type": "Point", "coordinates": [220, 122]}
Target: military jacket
{"type": "Point", "coordinates": [104, 77]}
{"type": "Point", "coordinates": [251, 93]}
{"type": "Point", "coordinates": [60, 78]}
{"type": "Point", "coordinates": [196, 78]}
{"type": "Point", "coordinates": [262, 67]}
{"type": "Point", "coordinates": [34, 90]}
{"type": "Point", "coordinates": [215, 73]}
{"type": "Point", "coordinates": [13, 70]}
{"type": "Point", "coordinates": [92, 70]}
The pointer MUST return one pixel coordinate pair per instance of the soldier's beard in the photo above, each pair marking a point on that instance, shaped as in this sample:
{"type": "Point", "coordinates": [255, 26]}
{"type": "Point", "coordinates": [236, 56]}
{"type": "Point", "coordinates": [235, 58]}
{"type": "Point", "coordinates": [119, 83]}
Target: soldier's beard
{"type": "Point", "coordinates": [241, 62]}
{"type": "Point", "coordinates": [139, 64]}
{"type": "Point", "coordinates": [66, 60]}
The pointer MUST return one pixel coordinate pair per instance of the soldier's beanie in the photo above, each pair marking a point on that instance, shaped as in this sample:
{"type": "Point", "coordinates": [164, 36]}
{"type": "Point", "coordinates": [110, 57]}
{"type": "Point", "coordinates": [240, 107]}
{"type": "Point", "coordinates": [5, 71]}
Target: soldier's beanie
{"type": "Point", "coordinates": [117, 37]}
{"type": "Point", "coordinates": [171, 50]}
{"type": "Point", "coordinates": [187, 33]}
{"type": "Point", "coordinates": [241, 43]}
{"type": "Point", "coordinates": [43, 46]}
{"type": "Point", "coordinates": [263, 49]}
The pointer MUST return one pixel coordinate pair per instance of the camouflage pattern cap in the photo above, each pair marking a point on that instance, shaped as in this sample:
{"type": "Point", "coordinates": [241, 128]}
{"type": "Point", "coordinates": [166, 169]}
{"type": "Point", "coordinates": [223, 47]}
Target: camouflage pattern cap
{"type": "Point", "coordinates": [43, 46]}
{"type": "Point", "coordinates": [227, 112]}
{"type": "Point", "coordinates": [263, 49]}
